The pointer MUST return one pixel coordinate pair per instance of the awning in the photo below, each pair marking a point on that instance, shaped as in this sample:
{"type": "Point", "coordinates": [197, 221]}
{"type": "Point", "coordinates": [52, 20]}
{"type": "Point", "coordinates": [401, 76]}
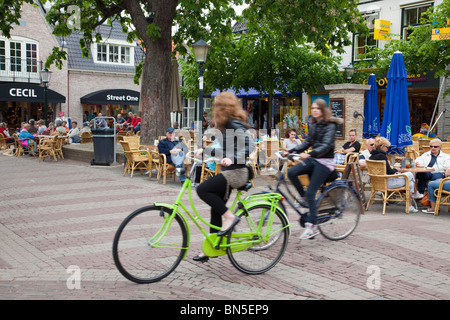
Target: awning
{"type": "Point", "coordinates": [252, 93]}
{"type": "Point", "coordinates": [112, 96]}
{"type": "Point", "coordinates": [27, 92]}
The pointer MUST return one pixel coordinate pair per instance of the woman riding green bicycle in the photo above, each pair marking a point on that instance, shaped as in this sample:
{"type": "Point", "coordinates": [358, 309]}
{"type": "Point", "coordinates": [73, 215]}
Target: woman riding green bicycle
{"type": "Point", "coordinates": [237, 144]}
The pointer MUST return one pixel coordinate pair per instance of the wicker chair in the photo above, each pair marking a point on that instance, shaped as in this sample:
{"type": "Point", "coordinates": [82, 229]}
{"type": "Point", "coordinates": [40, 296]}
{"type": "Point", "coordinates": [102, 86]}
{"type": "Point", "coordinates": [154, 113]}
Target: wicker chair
{"type": "Point", "coordinates": [60, 140]}
{"type": "Point", "coordinates": [136, 159]}
{"type": "Point", "coordinates": [207, 173]}
{"type": "Point", "coordinates": [379, 183]}
{"type": "Point", "coordinates": [20, 149]}
{"type": "Point", "coordinates": [133, 141]}
{"type": "Point", "coordinates": [253, 158]}
{"type": "Point", "coordinates": [165, 168]}
{"type": "Point", "coordinates": [349, 158]}
{"type": "Point", "coordinates": [4, 144]}
{"type": "Point", "coordinates": [86, 137]}
{"type": "Point", "coordinates": [268, 150]}
{"type": "Point", "coordinates": [46, 148]}
{"type": "Point", "coordinates": [442, 196]}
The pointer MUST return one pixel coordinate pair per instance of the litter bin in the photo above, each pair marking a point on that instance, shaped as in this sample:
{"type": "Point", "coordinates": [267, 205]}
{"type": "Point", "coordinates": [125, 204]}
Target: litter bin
{"type": "Point", "coordinates": [104, 141]}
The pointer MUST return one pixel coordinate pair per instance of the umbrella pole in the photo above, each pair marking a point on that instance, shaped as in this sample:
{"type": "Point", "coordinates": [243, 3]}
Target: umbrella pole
{"type": "Point", "coordinates": [434, 111]}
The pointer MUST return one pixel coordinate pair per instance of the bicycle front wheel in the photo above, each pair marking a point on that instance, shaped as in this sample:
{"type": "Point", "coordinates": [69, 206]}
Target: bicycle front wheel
{"type": "Point", "coordinates": [339, 210]}
{"type": "Point", "coordinates": [259, 241]}
{"type": "Point", "coordinates": [149, 244]}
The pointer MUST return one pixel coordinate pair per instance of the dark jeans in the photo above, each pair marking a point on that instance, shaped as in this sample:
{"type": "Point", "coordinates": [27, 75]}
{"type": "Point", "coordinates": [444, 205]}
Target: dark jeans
{"type": "Point", "coordinates": [423, 178]}
{"type": "Point", "coordinates": [317, 173]}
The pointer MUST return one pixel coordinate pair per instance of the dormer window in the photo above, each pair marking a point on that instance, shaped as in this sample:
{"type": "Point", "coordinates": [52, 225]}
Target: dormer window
{"type": "Point", "coordinates": [113, 53]}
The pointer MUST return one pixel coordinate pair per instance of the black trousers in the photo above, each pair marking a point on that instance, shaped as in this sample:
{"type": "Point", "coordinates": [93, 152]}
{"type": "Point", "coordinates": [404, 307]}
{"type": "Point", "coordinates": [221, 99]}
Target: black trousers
{"type": "Point", "coordinates": [213, 192]}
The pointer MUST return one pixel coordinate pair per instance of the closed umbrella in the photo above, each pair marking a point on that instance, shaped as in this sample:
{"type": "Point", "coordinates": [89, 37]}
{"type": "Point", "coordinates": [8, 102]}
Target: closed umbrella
{"type": "Point", "coordinates": [396, 124]}
{"type": "Point", "coordinates": [175, 95]}
{"type": "Point", "coordinates": [371, 125]}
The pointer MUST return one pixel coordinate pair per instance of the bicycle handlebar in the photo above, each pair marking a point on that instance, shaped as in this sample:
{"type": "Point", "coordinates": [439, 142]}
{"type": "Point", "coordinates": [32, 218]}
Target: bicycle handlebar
{"type": "Point", "coordinates": [197, 160]}
{"type": "Point", "coordinates": [289, 156]}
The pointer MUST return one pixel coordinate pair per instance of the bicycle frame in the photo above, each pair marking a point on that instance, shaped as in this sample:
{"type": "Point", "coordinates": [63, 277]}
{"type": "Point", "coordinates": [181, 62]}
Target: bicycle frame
{"type": "Point", "coordinates": [214, 245]}
{"type": "Point", "coordinates": [323, 190]}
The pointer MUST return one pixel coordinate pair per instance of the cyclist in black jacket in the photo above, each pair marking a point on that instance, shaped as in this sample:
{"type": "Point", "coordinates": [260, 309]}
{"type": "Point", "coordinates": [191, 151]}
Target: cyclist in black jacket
{"type": "Point", "coordinates": [318, 164]}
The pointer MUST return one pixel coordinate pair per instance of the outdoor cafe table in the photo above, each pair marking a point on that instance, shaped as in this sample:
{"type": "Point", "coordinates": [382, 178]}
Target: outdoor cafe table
{"type": "Point", "coordinates": [417, 169]}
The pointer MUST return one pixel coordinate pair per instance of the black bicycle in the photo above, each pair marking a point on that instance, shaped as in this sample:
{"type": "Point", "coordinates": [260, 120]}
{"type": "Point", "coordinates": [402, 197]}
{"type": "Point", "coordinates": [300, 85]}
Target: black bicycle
{"type": "Point", "coordinates": [339, 205]}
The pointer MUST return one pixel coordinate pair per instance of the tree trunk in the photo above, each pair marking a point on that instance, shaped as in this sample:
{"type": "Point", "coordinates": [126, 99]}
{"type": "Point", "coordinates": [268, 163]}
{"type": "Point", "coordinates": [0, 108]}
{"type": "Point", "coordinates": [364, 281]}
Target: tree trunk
{"type": "Point", "coordinates": [155, 82]}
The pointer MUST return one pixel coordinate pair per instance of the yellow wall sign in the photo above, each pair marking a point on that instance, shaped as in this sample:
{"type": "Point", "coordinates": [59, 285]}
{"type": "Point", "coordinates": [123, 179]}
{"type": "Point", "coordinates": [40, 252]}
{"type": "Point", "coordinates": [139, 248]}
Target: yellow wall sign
{"type": "Point", "coordinates": [382, 29]}
{"type": "Point", "coordinates": [440, 34]}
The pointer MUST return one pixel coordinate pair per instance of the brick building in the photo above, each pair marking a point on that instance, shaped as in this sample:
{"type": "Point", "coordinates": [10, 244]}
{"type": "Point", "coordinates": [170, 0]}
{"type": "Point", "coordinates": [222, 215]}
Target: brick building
{"type": "Point", "coordinates": [82, 87]}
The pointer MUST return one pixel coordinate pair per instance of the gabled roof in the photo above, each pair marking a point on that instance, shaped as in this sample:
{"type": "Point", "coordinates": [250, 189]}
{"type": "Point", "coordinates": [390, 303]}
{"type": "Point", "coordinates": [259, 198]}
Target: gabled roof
{"type": "Point", "coordinates": [76, 61]}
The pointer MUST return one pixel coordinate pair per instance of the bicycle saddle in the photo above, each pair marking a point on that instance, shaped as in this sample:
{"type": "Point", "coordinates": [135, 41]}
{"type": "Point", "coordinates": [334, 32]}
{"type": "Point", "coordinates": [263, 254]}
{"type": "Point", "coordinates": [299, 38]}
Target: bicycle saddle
{"type": "Point", "coordinates": [332, 176]}
{"type": "Point", "coordinates": [245, 187]}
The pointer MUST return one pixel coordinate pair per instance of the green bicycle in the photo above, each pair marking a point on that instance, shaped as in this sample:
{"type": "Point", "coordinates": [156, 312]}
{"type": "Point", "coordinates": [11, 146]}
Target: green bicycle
{"type": "Point", "coordinates": [151, 242]}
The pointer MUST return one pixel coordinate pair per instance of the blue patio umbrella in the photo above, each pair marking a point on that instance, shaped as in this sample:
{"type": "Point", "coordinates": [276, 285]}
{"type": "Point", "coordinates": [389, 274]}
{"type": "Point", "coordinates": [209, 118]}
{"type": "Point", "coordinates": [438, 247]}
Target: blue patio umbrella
{"type": "Point", "coordinates": [371, 124]}
{"type": "Point", "coordinates": [396, 125]}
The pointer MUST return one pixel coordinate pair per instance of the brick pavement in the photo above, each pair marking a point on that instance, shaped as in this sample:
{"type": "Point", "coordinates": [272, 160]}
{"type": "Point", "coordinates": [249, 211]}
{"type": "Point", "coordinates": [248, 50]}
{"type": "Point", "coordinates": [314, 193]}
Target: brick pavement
{"type": "Point", "coordinates": [54, 215]}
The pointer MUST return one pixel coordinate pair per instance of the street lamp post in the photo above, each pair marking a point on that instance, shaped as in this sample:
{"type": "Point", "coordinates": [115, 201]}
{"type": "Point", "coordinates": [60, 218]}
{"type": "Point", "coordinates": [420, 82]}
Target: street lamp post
{"type": "Point", "coordinates": [201, 52]}
{"type": "Point", "coordinates": [349, 71]}
{"type": "Point", "coordinates": [45, 77]}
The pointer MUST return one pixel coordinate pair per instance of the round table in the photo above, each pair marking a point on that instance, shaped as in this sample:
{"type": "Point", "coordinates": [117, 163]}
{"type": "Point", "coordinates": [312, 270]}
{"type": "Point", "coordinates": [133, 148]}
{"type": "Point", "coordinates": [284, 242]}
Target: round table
{"type": "Point", "coordinates": [416, 169]}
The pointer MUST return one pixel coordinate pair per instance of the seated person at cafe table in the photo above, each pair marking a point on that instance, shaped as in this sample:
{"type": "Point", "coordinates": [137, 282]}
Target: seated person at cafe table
{"type": "Point", "coordinates": [350, 146]}
{"type": "Point", "coordinates": [435, 159]}
{"type": "Point", "coordinates": [433, 185]}
{"type": "Point", "coordinates": [174, 150]}
{"type": "Point", "coordinates": [365, 154]}
{"type": "Point", "coordinates": [380, 153]}
{"type": "Point", "coordinates": [24, 134]}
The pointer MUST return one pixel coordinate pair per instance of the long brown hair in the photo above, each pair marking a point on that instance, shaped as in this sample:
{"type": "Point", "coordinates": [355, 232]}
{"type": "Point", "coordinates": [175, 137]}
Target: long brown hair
{"type": "Point", "coordinates": [226, 106]}
{"type": "Point", "coordinates": [326, 111]}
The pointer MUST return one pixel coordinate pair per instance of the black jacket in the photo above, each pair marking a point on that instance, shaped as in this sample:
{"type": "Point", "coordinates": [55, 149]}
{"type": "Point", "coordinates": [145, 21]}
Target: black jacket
{"type": "Point", "coordinates": [321, 138]}
{"type": "Point", "coordinates": [378, 154]}
{"type": "Point", "coordinates": [236, 144]}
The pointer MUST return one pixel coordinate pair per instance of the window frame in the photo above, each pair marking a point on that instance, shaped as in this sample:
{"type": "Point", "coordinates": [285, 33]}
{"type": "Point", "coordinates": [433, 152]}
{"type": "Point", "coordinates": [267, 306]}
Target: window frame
{"type": "Point", "coordinates": [404, 27]}
{"type": "Point", "coordinates": [113, 53]}
{"type": "Point", "coordinates": [373, 16]}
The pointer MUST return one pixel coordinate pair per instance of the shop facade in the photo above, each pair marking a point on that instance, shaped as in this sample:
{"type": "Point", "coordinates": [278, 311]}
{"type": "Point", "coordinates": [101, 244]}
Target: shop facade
{"type": "Point", "coordinates": [22, 57]}
{"type": "Point", "coordinates": [102, 83]}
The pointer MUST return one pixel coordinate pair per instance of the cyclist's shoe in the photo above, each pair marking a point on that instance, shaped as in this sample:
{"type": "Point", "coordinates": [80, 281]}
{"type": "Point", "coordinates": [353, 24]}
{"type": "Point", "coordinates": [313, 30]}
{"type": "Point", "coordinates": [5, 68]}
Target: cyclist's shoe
{"type": "Point", "coordinates": [201, 258]}
{"type": "Point", "coordinates": [302, 220]}
{"type": "Point", "coordinates": [310, 231]}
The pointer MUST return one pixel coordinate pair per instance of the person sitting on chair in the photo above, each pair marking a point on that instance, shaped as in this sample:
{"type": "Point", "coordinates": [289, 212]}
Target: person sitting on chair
{"type": "Point", "coordinates": [434, 185]}
{"type": "Point", "coordinates": [350, 146]}
{"type": "Point", "coordinates": [174, 151]}
{"type": "Point", "coordinates": [435, 159]}
{"type": "Point", "coordinates": [380, 153]}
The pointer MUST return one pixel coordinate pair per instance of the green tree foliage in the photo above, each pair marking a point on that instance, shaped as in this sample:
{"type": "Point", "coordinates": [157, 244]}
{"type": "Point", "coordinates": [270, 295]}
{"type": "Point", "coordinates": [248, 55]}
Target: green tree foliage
{"type": "Point", "coordinates": [324, 23]}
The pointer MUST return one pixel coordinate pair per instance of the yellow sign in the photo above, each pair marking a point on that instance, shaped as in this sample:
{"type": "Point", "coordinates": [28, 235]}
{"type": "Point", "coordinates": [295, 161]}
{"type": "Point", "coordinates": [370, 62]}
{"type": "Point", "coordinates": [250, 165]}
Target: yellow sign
{"type": "Point", "coordinates": [441, 31]}
{"type": "Point", "coordinates": [382, 30]}
{"type": "Point", "coordinates": [448, 21]}
{"type": "Point", "coordinates": [440, 36]}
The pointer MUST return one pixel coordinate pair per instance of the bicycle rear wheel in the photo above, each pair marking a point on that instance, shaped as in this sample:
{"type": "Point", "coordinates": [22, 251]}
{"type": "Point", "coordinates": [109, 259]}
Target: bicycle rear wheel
{"type": "Point", "coordinates": [149, 244]}
{"type": "Point", "coordinates": [339, 210]}
{"type": "Point", "coordinates": [259, 240]}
